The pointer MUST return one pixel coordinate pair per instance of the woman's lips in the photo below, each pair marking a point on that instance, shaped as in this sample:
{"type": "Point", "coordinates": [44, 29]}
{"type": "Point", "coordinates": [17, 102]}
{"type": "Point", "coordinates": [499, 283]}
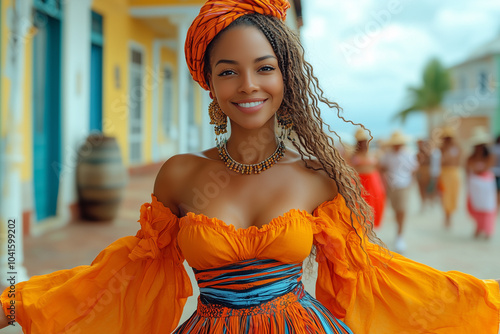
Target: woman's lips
{"type": "Point", "coordinates": [249, 107]}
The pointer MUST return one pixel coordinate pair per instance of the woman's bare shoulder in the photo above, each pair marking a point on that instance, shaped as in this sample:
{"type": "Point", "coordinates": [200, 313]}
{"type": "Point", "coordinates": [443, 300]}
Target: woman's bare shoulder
{"type": "Point", "coordinates": [175, 173]}
{"type": "Point", "coordinates": [311, 170]}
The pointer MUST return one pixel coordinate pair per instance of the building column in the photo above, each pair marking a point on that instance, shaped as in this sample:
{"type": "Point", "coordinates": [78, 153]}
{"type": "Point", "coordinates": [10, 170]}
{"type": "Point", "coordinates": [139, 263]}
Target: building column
{"type": "Point", "coordinates": [75, 92]}
{"type": "Point", "coordinates": [12, 259]}
{"type": "Point", "coordinates": [207, 129]}
{"type": "Point", "coordinates": [182, 23]}
{"type": "Point", "coordinates": [158, 45]}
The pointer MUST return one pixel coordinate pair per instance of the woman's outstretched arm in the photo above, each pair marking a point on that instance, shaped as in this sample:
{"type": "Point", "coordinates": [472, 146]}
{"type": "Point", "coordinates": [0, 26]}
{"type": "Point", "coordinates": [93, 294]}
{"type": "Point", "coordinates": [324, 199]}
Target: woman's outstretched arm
{"type": "Point", "coordinates": [4, 321]}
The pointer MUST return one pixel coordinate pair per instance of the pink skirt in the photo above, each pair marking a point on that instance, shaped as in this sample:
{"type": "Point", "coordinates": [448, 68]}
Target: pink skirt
{"type": "Point", "coordinates": [482, 201]}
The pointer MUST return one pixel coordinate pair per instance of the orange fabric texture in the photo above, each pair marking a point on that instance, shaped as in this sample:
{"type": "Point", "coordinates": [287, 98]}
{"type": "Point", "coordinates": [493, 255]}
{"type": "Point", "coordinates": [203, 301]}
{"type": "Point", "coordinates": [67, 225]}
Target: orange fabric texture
{"type": "Point", "coordinates": [135, 285]}
{"type": "Point", "coordinates": [139, 285]}
{"type": "Point", "coordinates": [214, 16]}
{"type": "Point", "coordinates": [374, 294]}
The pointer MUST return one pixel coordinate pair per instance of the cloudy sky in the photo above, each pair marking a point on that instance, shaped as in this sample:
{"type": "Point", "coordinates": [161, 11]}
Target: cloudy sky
{"type": "Point", "coordinates": [367, 52]}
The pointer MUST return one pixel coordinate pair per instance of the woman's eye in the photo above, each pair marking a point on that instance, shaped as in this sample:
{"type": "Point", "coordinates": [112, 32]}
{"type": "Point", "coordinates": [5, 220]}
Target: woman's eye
{"type": "Point", "coordinates": [226, 73]}
{"type": "Point", "coordinates": [266, 68]}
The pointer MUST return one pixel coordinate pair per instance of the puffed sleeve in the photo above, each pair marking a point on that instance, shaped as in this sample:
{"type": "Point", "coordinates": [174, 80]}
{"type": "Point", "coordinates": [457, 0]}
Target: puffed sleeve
{"type": "Point", "coordinates": [374, 293]}
{"type": "Point", "coordinates": [136, 285]}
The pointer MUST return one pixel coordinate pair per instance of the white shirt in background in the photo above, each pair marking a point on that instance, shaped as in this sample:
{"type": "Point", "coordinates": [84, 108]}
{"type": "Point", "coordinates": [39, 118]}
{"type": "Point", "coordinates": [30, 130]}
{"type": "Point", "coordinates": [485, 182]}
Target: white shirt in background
{"type": "Point", "coordinates": [399, 168]}
{"type": "Point", "coordinates": [435, 162]}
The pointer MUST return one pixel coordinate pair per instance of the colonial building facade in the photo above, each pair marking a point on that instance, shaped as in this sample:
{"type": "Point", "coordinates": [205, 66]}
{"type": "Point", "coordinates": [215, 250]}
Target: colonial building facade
{"type": "Point", "coordinates": [474, 99]}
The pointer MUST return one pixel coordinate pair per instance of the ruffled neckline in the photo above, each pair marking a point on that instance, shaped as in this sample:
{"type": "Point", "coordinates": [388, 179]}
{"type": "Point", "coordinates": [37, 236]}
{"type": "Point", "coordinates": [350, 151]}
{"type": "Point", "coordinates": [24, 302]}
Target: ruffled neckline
{"type": "Point", "coordinates": [276, 222]}
{"type": "Point", "coordinates": [283, 219]}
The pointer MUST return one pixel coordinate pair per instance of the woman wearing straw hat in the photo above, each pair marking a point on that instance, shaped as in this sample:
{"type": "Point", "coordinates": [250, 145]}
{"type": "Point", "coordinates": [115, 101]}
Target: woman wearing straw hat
{"type": "Point", "coordinates": [266, 207]}
{"type": "Point", "coordinates": [449, 180]}
{"type": "Point", "coordinates": [481, 190]}
{"type": "Point", "coordinates": [399, 166]}
{"type": "Point", "coordinates": [429, 168]}
{"type": "Point", "coordinates": [366, 165]}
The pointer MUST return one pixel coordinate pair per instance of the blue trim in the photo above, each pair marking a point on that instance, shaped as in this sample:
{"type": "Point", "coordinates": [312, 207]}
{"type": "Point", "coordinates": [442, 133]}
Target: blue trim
{"type": "Point", "coordinates": [96, 69]}
{"type": "Point", "coordinates": [96, 31]}
{"type": "Point", "coordinates": [52, 8]}
{"type": "Point", "coordinates": [95, 122]}
{"type": "Point", "coordinates": [96, 39]}
{"type": "Point", "coordinates": [47, 76]}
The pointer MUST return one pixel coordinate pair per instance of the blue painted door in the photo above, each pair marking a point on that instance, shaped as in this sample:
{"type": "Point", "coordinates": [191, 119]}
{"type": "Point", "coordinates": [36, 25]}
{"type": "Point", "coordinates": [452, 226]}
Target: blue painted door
{"type": "Point", "coordinates": [96, 53]}
{"type": "Point", "coordinates": [46, 114]}
{"type": "Point", "coordinates": [95, 88]}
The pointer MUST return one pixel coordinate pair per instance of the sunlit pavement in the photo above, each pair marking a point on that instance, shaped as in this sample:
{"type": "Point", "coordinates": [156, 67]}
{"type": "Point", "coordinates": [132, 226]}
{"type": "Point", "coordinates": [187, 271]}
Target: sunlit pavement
{"type": "Point", "coordinates": [427, 240]}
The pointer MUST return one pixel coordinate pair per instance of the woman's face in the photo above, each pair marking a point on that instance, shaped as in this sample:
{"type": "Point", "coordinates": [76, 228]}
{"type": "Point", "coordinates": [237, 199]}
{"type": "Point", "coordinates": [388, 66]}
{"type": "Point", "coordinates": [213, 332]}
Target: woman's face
{"type": "Point", "coordinates": [245, 77]}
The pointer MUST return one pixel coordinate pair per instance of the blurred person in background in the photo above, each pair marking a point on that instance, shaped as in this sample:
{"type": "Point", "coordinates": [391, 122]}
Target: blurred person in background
{"type": "Point", "coordinates": [366, 164]}
{"type": "Point", "coordinates": [379, 149]}
{"type": "Point", "coordinates": [435, 172]}
{"type": "Point", "coordinates": [496, 167]}
{"type": "Point", "coordinates": [449, 180]}
{"type": "Point", "coordinates": [398, 166]}
{"type": "Point", "coordinates": [481, 188]}
{"type": "Point", "coordinates": [423, 173]}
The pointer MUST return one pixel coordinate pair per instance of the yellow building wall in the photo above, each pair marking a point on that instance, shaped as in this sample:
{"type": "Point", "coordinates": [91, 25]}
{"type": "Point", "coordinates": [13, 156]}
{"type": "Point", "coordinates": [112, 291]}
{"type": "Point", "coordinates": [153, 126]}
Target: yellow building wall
{"type": "Point", "coordinates": [198, 103]}
{"type": "Point", "coordinates": [27, 119]}
{"type": "Point", "coordinates": [3, 84]}
{"type": "Point", "coordinates": [116, 27]}
{"type": "Point", "coordinates": [25, 129]}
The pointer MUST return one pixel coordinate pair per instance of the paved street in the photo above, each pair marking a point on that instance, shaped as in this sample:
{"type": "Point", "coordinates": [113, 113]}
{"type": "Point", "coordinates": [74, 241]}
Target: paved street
{"type": "Point", "coordinates": [428, 241]}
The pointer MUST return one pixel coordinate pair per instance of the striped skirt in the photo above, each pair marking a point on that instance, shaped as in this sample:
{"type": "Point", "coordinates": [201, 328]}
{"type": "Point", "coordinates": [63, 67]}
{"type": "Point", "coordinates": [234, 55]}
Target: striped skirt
{"type": "Point", "coordinates": [258, 296]}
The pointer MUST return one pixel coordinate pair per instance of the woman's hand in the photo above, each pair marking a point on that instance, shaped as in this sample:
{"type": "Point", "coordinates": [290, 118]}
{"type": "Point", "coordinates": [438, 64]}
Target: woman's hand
{"type": "Point", "coordinates": [4, 322]}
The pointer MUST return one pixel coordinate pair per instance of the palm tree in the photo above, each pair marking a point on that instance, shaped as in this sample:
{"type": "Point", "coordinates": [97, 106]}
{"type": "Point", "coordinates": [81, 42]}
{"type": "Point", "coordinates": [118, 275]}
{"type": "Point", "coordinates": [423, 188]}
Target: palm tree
{"type": "Point", "coordinates": [429, 96]}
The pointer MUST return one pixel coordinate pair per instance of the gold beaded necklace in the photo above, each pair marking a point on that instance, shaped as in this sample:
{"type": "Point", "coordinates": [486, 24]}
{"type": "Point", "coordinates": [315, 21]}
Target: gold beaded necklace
{"type": "Point", "coordinates": [250, 168]}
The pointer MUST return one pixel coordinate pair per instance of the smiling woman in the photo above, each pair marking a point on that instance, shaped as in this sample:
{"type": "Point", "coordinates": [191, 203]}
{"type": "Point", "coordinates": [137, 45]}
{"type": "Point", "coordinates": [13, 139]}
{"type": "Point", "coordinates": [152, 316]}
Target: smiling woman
{"type": "Point", "coordinates": [245, 78]}
{"type": "Point", "coordinates": [271, 197]}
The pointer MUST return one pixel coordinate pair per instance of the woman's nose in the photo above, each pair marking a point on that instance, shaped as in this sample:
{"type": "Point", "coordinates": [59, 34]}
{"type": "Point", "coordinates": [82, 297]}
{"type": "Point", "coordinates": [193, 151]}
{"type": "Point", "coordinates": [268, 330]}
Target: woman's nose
{"type": "Point", "coordinates": [249, 83]}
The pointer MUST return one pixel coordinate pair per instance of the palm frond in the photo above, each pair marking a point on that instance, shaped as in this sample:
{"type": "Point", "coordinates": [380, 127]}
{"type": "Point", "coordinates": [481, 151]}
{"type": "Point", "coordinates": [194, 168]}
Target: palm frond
{"type": "Point", "coordinates": [429, 96]}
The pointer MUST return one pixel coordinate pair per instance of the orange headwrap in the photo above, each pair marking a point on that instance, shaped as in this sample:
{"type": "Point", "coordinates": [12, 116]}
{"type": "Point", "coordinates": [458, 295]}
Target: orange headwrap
{"type": "Point", "coordinates": [213, 18]}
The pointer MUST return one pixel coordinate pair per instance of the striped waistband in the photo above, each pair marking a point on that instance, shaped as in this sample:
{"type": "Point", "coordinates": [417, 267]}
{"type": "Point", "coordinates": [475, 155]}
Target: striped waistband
{"type": "Point", "coordinates": [248, 283]}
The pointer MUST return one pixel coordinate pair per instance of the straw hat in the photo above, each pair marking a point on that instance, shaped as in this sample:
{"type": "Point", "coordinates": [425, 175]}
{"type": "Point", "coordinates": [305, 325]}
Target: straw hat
{"type": "Point", "coordinates": [479, 136]}
{"type": "Point", "coordinates": [397, 138]}
{"type": "Point", "coordinates": [361, 135]}
{"type": "Point", "coordinates": [448, 132]}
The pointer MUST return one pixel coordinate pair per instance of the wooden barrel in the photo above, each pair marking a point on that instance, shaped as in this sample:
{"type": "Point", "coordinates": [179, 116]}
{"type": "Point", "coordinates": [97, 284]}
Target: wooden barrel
{"type": "Point", "coordinates": [101, 178]}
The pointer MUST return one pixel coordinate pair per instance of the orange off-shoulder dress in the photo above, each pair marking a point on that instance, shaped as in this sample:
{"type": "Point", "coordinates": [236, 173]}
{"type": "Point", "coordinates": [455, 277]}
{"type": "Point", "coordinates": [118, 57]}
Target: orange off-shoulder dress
{"type": "Point", "coordinates": [139, 284]}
